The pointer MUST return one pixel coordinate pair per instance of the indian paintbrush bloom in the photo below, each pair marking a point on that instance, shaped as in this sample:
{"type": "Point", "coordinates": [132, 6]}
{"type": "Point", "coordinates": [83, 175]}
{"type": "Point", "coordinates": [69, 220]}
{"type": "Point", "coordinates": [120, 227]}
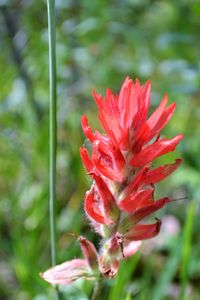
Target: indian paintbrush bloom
{"type": "Point", "coordinates": [122, 193]}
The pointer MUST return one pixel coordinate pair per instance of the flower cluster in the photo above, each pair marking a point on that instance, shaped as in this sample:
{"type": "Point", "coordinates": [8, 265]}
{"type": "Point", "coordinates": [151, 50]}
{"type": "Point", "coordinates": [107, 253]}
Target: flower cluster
{"type": "Point", "coordinates": [122, 192]}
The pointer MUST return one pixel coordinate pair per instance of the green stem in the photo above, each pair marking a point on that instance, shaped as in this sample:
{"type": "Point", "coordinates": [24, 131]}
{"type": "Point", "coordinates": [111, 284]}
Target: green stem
{"type": "Point", "coordinates": [97, 289]}
{"type": "Point", "coordinates": [52, 128]}
{"type": "Point", "coordinates": [52, 125]}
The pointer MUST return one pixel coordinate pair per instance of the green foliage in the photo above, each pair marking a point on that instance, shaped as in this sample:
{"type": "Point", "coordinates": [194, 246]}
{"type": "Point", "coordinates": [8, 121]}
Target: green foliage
{"type": "Point", "coordinates": [98, 44]}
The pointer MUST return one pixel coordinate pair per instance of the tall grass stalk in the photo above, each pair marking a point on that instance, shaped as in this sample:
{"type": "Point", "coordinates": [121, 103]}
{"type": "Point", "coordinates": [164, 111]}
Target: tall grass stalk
{"type": "Point", "coordinates": [168, 272]}
{"type": "Point", "coordinates": [186, 250]}
{"type": "Point", "coordinates": [52, 128]}
{"type": "Point", "coordinates": [127, 268]}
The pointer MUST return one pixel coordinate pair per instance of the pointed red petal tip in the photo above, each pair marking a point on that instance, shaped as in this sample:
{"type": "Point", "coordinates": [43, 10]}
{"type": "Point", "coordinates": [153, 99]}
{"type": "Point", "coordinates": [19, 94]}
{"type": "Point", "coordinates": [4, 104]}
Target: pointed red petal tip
{"type": "Point", "coordinates": [97, 97]}
{"type": "Point", "coordinates": [127, 80]}
{"type": "Point", "coordinates": [131, 220]}
{"type": "Point", "coordinates": [158, 174]}
{"type": "Point", "coordinates": [87, 129]}
{"type": "Point", "coordinates": [146, 95]}
{"type": "Point", "coordinates": [89, 252]}
{"type": "Point", "coordinates": [144, 231]}
{"type": "Point", "coordinates": [155, 117]}
{"type": "Point", "coordinates": [149, 209]}
{"type": "Point", "coordinates": [67, 272]}
{"type": "Point", "coordinates": [160, 118]}
{"type": "Point", "coordinates": [158, 148]}
{"type": "Point", "coordinates": [86, 160]}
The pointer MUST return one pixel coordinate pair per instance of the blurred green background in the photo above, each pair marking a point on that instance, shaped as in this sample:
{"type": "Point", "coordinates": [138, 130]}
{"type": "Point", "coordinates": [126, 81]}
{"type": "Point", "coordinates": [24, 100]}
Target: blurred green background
{"type": "Point", "coordinates": [99, 43]}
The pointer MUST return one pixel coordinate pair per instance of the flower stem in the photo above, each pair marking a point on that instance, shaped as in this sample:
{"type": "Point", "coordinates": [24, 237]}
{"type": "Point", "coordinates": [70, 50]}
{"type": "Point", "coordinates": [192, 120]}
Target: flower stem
{"type": "Point", "coordinates": [97, 289]}
{"type": "Point", "coordinates": [52, 128]}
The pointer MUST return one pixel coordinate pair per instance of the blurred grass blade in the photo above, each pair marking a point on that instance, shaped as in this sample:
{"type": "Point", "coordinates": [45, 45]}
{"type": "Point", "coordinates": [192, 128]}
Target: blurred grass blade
{"type": "Point", "coordinates": [52, 124]}
{"type": "Point", "coordinates": [146, 280]}
{"type": "Point", "coordinates": [52, 128]}
{"type": "Point", "coordinates": [169, 270]}
{"type": "Point", "coordinates": [127, 268]}
{"type": "Point", "coordinates": [128, 296]}
{"type": "Point", "coordinates": [186, 249]}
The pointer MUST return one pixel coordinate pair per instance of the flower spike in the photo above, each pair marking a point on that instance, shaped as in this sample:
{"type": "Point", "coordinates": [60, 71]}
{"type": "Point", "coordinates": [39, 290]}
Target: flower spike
{"type": "Point", "coordinates": [122, 192]}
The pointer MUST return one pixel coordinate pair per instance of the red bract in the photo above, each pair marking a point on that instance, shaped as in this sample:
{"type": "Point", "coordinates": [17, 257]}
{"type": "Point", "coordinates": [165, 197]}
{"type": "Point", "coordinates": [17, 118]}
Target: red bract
{"type": "Point", "coordinates": [120, 165]}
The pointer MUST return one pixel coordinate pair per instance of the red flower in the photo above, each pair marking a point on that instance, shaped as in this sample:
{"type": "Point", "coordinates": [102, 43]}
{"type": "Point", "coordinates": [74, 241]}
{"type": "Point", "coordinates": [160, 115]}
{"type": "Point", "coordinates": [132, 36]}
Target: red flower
{"type": "Point", "coordinates": [122, 192]}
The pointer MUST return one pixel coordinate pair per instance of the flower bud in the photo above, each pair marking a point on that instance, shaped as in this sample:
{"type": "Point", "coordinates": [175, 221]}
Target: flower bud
{"type": "Point", "coordinates": [89, 253]}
